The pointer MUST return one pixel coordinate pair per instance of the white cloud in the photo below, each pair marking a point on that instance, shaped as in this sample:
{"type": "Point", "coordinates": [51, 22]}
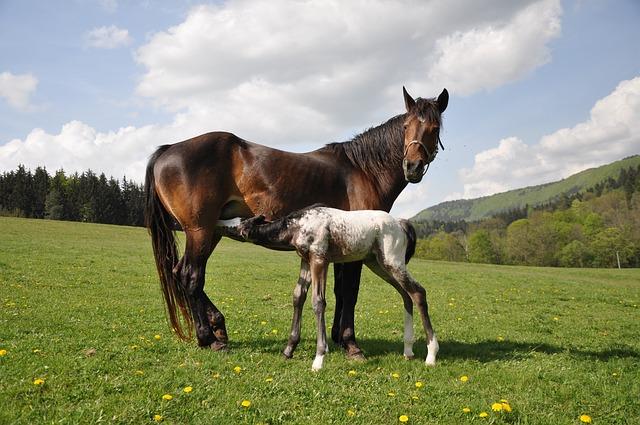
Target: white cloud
{"type": "Point", "coordinates": [490, 56]}
{"type": "Point", "coordinates": [110, 37]}
{"type": "Point", "coordinates": [611, 133]}
{"type": "Point", "coordinates": [17, 89]}
{"type": "Point", "coordinates": [297, 74]}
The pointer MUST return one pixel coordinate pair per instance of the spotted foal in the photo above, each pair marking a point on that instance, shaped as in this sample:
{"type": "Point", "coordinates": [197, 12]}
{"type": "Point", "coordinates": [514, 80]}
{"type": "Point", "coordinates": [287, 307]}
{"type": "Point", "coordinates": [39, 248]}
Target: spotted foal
{"type": "Point", "coordinates": [322, 235]}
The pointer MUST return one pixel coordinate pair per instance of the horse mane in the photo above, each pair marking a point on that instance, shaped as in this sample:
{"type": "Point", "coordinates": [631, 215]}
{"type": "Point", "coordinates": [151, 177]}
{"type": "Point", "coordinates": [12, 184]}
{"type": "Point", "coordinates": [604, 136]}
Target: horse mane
{"type": "Point", "coordinates": [375, 149]}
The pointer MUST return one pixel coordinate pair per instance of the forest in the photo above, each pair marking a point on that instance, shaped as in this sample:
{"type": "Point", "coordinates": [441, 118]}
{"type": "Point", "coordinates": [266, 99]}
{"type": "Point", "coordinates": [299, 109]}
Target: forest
{"type": "Point", "coordinates": [598, 227]}
{"type": "Point", "coordinates": [76, 197]}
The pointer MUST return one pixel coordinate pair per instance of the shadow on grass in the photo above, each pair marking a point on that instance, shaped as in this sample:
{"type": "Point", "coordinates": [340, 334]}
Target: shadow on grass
{"type": "Point", "coordinates": [487, 351]}
{"type": "Point", "coordinates": [484, 351]}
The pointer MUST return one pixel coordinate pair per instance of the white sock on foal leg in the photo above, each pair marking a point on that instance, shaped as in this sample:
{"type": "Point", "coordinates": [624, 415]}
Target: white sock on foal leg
{"type": "Point", "coordinates": [317, 362]}
{"type": "Point", "coordinates": [432, 350]}
{"type": "Point", "coordinates": [408, 335]}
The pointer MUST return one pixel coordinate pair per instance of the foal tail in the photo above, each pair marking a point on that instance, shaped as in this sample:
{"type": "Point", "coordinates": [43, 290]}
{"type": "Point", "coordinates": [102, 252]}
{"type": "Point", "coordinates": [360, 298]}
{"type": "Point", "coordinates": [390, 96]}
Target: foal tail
{"type": "Point", "coordinates": [159, 222]}
{"type": "Point", "coordinates": [410, 232]}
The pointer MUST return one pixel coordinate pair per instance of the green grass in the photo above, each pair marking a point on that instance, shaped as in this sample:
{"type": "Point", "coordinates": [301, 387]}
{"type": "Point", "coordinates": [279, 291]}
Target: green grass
{"type": "Point", "coordinates": [556, 343]}
{"type": "Point", "coordinates": [479, 208]}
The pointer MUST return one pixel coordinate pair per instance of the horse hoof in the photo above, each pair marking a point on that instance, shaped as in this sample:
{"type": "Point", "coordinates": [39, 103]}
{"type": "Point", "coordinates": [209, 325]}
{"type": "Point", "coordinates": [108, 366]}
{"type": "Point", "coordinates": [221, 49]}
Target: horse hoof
{"type": "Point", "coordinates": [357, 356]}
{"type": "Point", "coordinates": [219, 346]}
{"type": "Point", "coordinates": [409, 357]}
{"type": "Point", "coordinates": [287, 356]}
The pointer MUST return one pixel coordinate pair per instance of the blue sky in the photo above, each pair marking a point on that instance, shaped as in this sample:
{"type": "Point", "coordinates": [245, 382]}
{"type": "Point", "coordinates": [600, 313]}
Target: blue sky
{"type": "Point", "coordinates": [539, 89]}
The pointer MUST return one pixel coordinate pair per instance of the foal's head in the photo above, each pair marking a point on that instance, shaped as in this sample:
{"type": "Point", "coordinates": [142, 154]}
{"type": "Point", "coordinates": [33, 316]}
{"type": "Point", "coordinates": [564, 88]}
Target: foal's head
{"type": "Point", "coordinates": [421, 133]}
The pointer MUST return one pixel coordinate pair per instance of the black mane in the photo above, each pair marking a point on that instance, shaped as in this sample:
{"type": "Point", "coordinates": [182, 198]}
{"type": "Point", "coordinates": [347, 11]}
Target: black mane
{"type": "Point", "coordinates": [378, 148]}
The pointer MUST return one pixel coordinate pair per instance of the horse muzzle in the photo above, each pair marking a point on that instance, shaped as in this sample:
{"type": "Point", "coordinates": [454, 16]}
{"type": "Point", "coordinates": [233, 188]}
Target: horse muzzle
{"type": "Point", "coordinates": [414, 170]}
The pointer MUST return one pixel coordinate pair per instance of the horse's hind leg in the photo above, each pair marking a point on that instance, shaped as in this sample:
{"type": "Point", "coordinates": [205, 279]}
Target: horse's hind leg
{"type": "Point", "coordinates": [299, 297]}
{"type": "Point", "coordinates": [408, 307]}
{"type": "Point", "coordinates": [199, 245]}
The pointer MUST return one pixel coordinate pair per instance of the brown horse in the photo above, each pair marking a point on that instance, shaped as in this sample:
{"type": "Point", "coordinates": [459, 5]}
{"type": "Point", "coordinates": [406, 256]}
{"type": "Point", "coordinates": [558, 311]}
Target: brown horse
{"type": "Point", "coordinates": [218, 175]}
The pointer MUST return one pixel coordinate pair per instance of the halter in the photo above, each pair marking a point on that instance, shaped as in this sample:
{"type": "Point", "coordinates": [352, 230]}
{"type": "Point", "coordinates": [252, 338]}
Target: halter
{"type": "Point", "coordinates": [432, 157]}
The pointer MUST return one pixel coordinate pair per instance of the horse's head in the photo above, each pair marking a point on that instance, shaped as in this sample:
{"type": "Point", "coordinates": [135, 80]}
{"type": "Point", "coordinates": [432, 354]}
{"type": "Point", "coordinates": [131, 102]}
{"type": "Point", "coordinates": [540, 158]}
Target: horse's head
{"type": "Point", "coordinates": [421, 133]}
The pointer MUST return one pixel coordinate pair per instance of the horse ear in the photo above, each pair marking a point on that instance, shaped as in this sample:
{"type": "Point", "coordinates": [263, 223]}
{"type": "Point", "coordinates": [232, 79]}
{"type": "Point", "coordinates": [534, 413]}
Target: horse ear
{"type": "Point", "coordinates": [409, 103]}
{"type": "Point", "coordinates": [443, 100]}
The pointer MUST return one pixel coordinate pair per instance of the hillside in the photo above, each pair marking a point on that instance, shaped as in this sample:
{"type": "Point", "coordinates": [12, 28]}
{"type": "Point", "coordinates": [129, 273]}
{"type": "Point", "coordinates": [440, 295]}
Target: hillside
{"type": "Point", "coordinates": [479, 208]}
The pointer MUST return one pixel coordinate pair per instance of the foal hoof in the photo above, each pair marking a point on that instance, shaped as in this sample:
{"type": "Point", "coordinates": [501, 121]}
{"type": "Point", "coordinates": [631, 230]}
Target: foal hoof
{"type": "Point", "coordinates": [219, 346]}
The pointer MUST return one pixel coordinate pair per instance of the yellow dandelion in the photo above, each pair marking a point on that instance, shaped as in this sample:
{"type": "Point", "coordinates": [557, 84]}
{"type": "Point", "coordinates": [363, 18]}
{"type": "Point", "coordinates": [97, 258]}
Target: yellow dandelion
{"type": "Point", "coordinates": [585, 419]}
{"type": "Point", "coordinates": [403, 418]}
{"type": "Point", "coordinates": [506, 407]}
{"type": "Point", "coordinates": [395, 375]}
{"type": "Point", "coordinates": [187, 389]}
{"type": "Point", "coordinates": [504, 400]}
{"type": "Point", "coordinates": [167, 397]}
{"type": "Point", "coordinates": [139, 372]}
{"type": "Point", "coordinates": [264, 322]}
{"type": "Point", "coordinates": [419, 384]}
{"type": "Point", "coordinates": [157, 418]}
{"type": "Point", "coordinates": [464, 378]}
{"type": "Point", "coordinates": [556, 319]}
{"type": "Point", "coordinates": [274, 331]}
{"type": "Point", "coordinates": [157, 337]}
{"type": "Point", "coordinates": [414, 397]}
{"type": "Point", "coordinates": [216, 375]}
{"type": "Point", "coordinates": [391, 394]}
{"type": "Point", "coordinates": [500, 338]}
{"type": "Point", "coordinates": [237, 369]}
{"type": "Point", "coordinates": [246, 404]}
{"type": "Point", "coordinates": [38, 381]}
{"type": "Point", "coordinates": [269, 379]}
{"type": "Point", "coordinates": [3, 353]}
{"type": "Point", "coordinates": [466, 410]}
{"type": "Point", "coordinates": [351, 413]}
{"type": "Point", "coordinates": [496, 407]}
{"type": "Point", "coordinates": [352, 373]}
{"type": "Point", "coordinates": [483, 414]}
{"type": "Point", "coordinates": [35, 350]}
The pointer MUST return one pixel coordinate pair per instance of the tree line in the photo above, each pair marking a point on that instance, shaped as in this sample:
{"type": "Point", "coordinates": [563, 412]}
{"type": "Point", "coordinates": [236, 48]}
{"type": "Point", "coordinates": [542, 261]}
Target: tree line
{"type": "Point", "coordinates": [599, 227]}
{"type": "Point", "coordinates": [84, 197]}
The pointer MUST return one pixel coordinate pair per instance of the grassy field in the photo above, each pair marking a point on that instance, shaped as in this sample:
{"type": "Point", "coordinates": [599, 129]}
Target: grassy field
{"type": "Point", "coordinates": [81, 315]}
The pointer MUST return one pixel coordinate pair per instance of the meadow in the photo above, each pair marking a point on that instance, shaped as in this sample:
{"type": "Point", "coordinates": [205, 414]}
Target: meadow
{"type": "Point", "coordinates": [84, 339]}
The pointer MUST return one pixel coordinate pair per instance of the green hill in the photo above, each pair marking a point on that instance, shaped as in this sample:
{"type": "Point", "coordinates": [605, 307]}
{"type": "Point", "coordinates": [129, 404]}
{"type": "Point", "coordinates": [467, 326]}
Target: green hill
{"type": "Point", "coordinates": [479, 208]}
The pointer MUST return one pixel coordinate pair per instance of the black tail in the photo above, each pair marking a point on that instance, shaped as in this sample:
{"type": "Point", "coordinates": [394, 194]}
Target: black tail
{"type": "Point", "coordinates": [410, 231]}
{"type": "Point", "coordinates": [159, 222]}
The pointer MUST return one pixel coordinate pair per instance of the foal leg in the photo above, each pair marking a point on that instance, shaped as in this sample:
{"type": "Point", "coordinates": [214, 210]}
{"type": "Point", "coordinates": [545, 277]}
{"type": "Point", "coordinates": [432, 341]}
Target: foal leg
{"type": "Point", "coordinates": [299, 297]}
{"type": "Point", "coordinates": [408, 307]}
{"type": "Point", "coordinates": [350, 285]}
{"type": "Point", "coordinates": [319, 283]}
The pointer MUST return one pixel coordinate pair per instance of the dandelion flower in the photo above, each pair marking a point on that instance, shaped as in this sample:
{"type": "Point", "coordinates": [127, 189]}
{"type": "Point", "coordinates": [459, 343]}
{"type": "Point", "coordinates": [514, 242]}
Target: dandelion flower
{"type": "Point", "coordinates": [187, 389]}
{"type": "Point", "coordinates": [269, 379]}
{"type": "Point", "coordinates": [38, 381]}
{"type": "Point", "coordinates": [483, 414]}
{"type": "Point", "coordinates": [466, 410]}
{"type": "Point", "coordinates": [506, 406]}
{"type": "Point", "coordinates": [585, 419]}
{"type": "Point", "coordinates": [157, 418]}
{"type": "Point", "coordinates": [246, 404]}
{"type": "Point", "coordinates": [391, 394]}
{"type": "Point", "coordinates": [414, 397]}
{"type": "Point", "coordinates": [274, 331]}
{"type": "Point", "coordinates": [464, 378]}
{"type": "Point", "coordinates": [500, 338]}
{"type": "Point", "coordinates": [395, 375]}
{"type": "Point", "coordinates": [167, 397]}
{"type": "Point", "coordinates": [3, 353]}
{"type": "Point", "coordinates": [264, 322]}
{"type": "Point", "coordinates": [403, 418]}
{"type": "Point", "coordinates": [216, 375]}
{"type": "Point", "coordinates": [419, 384]}
{"type": "Point", "coordinates": [157, 337]}
{"type": "Point", "coordinates": [139, 372]}
{"type": "Point", "coordinates": [237, 369]}
{"type": "Point", "coordinates": [352, 373]}
{"type": "Point", "coordinates": [496, 407]}
{"type": "Point", "coordinates": [351, 413]}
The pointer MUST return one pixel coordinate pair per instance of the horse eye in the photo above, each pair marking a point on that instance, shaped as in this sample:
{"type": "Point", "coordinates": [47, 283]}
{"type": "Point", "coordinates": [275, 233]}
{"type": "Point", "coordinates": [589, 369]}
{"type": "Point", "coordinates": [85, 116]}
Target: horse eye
{"type": "Point", "coordinates": [405, 126]}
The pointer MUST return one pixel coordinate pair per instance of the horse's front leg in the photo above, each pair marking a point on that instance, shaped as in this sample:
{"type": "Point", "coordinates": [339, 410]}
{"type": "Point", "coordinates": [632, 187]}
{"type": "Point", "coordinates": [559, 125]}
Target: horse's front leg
{"type": "Point", "coordinates": [299, 297]}
{"type": "Point", "coordinates": [319, 283]}
{"type": "Point", "coordinates": [350, 284]}
{"type": "Point", "coordinates": [217, 322]}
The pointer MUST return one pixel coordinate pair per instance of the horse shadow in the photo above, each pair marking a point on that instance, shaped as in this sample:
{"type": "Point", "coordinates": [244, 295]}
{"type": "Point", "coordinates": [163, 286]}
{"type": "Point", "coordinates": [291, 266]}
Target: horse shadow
{"type": "Point", "coordinates": [482, 351]}
{"type": "Point", "coordinates": [492, 350]}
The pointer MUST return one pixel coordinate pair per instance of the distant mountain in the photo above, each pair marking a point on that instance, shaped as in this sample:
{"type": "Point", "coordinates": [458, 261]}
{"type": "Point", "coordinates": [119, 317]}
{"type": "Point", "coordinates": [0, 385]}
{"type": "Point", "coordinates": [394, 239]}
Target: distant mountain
{"type": "Point", "coordinates": [479, 208]}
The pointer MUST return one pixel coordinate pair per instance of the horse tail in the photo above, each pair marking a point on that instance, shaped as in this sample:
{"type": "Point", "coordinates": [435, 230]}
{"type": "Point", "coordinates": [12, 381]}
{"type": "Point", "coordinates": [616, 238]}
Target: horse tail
{"type": "Point", "coordinates": [160, 224]}
{"type": "Point", "coordinates": [410, 232]}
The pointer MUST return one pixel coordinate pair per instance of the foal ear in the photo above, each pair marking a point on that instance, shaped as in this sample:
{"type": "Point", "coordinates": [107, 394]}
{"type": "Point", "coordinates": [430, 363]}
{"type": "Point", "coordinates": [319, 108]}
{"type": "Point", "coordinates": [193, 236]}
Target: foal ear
{"type": "Point", "coordinates": [443, 100]}
{"type": "Point", "coordinates": [409, 103]}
